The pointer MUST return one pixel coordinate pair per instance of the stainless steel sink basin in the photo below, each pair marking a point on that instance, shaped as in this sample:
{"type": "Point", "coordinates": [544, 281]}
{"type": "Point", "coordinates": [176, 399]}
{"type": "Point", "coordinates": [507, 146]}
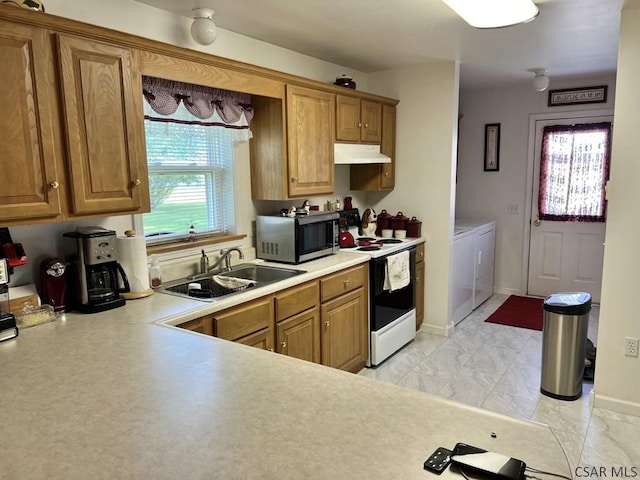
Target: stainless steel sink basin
{"type": "Point", "coordinates": [209, 290]}
{"type": "Point", "coordinates": [261, 273]}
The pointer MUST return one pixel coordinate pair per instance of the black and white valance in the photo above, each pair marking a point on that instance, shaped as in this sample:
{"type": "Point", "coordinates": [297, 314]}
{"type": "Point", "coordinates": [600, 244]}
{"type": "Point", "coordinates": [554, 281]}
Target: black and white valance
{"type": "Point", "coordinates": [208, 106]}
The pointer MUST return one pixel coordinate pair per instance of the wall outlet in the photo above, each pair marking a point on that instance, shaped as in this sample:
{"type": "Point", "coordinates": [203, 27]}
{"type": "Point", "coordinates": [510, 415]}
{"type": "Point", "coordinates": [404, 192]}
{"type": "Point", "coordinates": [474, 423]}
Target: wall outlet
{"type": "Point", "coordinates": [514, 209]}
{"type": "Point", "coordinates": [631, 347]}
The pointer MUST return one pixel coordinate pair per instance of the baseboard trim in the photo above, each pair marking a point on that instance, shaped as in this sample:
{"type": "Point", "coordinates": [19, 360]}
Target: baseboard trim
{"type": "Point", "coordinates": [437, 329]}
{"type": "Point", "coordinates": [507, 291]}
{"type": "Point", "coordinates": [616, 405]}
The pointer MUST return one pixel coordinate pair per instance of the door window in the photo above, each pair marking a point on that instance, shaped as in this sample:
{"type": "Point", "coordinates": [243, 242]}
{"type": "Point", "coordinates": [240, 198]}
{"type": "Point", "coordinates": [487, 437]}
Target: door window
{"type": "Point", "coordinates": [574, 170]}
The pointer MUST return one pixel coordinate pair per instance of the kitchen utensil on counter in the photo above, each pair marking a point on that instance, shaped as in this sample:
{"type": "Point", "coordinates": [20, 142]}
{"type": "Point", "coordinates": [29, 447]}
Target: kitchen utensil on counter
{"type": "Point", "coordinates": [399, 222]}
{"type": "Point", "coordinates": [414, 228]}
{"type": "Point", "coordinates": [132, 255]}
{"type": "Point", "coordinates": [53, 283]}
{"type": "Point", "coordinates": [96, 270]}
{"type": "Point", "coordinates": [346, 240]}
{"type": "Point", "coordinates": [382, 221]}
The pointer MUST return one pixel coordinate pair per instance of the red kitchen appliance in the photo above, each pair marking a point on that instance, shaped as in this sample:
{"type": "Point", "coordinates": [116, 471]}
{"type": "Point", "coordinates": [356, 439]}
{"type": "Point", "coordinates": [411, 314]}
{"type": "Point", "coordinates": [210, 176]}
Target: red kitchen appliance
{"type": "Point", "coordinates": [53, 283]}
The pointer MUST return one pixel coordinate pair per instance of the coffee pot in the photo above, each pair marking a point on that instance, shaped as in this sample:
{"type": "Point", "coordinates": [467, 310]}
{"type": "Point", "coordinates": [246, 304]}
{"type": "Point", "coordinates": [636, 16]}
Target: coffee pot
{"type": "Point", "coordinates": [96, 270]}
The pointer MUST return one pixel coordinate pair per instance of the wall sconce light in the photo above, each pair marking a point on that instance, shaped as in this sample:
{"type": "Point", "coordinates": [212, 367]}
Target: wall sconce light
{"type": "Point", "coordinates": [540, 81]}
{"type": "Point", "coordinates": [203, 30]}
{"type": "Point", "coordinates": [494, 13]}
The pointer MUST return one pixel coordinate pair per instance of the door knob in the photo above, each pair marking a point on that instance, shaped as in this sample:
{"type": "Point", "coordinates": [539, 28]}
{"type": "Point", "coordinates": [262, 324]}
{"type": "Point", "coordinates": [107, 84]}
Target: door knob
{"type": "Point", "coordinates": [327, 323]}
{"type": "Point", "coordinates": [54, 184]}
{"type": "Point", "coordinates": [537, 222]}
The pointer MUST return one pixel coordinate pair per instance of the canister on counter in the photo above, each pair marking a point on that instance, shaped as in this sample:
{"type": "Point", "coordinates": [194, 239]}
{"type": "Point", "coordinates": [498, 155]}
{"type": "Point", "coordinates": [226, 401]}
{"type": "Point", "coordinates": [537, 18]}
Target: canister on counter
{"type": "Point", "coordinates": [414, 228]}
{"type": "Point", "coordinates": [399, 222]}
{"type": "Point", "coordinates": [382, 222]}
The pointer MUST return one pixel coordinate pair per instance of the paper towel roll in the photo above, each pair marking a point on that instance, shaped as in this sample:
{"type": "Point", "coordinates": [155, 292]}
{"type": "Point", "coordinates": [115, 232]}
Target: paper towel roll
{"type": "Point", "coordinates": [132, 254]}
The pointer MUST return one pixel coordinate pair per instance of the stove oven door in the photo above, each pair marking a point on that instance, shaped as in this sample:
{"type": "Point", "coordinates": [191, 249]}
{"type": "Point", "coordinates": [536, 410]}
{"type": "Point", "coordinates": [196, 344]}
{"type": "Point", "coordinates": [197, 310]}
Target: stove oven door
{"type": "Point", "coordinates": [388, 306]}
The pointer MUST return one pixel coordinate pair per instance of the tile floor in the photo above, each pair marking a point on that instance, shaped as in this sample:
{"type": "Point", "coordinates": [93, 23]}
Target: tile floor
{"type": "Point", "coordinates": [497, 367]}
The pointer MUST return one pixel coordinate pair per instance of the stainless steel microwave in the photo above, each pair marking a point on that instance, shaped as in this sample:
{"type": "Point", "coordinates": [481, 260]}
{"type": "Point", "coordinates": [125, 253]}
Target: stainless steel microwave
{"type": "Point", "coordinates": [297, 239]}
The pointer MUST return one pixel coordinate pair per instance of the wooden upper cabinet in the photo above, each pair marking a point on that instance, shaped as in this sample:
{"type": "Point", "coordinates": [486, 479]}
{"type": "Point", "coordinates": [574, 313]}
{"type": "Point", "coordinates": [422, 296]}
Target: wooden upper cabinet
{"type": "Point", "coordinates": [30, 183]}
{"type": "Point", "coordinates": [310, 141]}
{"type": "Point", "coordinates": [102, 100]}
{"type": "Point", "coordinates": [358, 120]}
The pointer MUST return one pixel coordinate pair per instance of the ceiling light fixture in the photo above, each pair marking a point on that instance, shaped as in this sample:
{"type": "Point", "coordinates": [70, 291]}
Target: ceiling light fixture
{"type": "Point", "coordinates": [203, 30]}
{"type": "Point", "coordinates": [540, 81]}
{"type": "Point", "coordinates": [494, 13]}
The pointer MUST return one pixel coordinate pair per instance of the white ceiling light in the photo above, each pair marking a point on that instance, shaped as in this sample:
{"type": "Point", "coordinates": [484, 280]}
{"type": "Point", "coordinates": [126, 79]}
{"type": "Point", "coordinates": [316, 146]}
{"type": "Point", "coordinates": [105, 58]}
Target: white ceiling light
{"type": "Point", "coordinates": [494, 13]}
{"type": "Point", "coordinates": [540, 81]}
{"type": "Point", "coordinates": [203, 30]}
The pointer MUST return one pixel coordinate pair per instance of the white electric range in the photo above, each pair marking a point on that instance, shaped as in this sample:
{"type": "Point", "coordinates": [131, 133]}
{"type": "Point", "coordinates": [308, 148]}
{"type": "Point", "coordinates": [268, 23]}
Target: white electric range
{"type": "Point", "coordinates": [392, 313]}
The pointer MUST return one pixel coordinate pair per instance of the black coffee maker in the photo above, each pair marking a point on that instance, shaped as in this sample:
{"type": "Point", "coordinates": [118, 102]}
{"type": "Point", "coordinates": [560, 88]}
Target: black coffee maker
{"type": "Point", "coordinates": [95, 271]}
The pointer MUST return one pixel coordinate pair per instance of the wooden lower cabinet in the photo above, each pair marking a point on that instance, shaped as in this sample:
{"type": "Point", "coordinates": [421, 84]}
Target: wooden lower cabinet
{"type": "Point", "coordinates": [420, 283]}
{"type": "Point", "coordinates": [299, 336]}
{"type": "Point", "coordinates": [344, 332]}
{"type": "Point", "coordinates": [322, 321]}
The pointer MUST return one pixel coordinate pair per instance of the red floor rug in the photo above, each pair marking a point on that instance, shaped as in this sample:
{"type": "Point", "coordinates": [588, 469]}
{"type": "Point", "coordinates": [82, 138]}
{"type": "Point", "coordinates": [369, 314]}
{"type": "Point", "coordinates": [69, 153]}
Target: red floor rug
{"type": "Point", "coordinates": [516, 311]}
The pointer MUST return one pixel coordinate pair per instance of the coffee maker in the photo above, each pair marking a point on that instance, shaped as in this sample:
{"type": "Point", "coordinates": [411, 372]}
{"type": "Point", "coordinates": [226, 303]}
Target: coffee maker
{"type": "Point", "coordinates": [8, 327]}
{"type": "Point", "coordinates": [95, 271]}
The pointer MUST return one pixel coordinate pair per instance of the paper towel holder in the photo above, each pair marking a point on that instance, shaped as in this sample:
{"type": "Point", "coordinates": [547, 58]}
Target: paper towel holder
{"type": "Point", "coordinates": [149, 290]}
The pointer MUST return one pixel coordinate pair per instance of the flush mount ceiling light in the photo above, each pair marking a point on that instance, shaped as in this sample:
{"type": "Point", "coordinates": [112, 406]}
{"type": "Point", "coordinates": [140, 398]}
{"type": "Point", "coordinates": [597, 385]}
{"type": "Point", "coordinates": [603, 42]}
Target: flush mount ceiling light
{"type": "Point", "coordinates": [203, 30]}
{"type": "Point", "coordinates": [540, 81]}
{"type": "Point", "coordinates": [494, 13]}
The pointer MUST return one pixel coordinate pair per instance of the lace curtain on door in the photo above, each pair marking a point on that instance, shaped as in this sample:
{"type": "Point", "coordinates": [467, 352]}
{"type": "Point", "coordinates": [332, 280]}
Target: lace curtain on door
{"type": "Point", "coordinates": [574, 169]}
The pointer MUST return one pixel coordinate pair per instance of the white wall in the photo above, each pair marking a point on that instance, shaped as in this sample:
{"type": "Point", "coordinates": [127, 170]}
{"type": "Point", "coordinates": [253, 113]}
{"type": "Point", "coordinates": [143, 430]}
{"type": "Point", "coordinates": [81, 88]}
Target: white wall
{"type": "Point", "coordinates": [41, 241]}
{"type": "Point", "coordinates": [487, 195]}
{"type": "Point", "coordinates": [425, 171]}
{"type": "Point", "coordinates": [616, 379]}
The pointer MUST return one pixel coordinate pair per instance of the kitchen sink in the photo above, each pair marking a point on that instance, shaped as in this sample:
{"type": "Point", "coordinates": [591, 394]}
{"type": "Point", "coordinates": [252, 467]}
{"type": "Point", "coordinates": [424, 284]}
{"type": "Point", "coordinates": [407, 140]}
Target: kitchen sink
{"type": "Point", "coordinates": [209, 289]}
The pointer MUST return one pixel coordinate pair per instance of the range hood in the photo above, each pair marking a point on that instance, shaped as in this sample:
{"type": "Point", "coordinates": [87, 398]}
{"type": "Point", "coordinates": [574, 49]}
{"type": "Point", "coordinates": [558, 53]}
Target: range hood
{"type": "Point", "coordinates": [358, 154]}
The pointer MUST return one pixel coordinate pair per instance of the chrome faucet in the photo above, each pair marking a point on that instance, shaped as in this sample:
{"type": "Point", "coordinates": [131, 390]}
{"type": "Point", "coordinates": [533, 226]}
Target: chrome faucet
{"type": "Point", "coordinates": [225, 256]}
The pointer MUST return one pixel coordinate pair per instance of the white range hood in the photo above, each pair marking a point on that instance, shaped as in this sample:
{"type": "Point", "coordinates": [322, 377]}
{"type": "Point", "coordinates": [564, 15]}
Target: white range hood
{"type": "Point", "coordinates": [358, 154]}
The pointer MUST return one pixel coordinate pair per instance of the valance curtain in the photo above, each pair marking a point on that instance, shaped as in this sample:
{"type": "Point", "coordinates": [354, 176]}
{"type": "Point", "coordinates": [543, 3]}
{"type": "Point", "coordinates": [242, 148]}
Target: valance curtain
{"type": "Point", "coordinates": [207, 106]}
{"type": "Point", "coordinates": [574, 169]}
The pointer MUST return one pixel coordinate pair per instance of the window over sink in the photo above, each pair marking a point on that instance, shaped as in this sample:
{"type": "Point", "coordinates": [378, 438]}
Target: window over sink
{"type": "Point", "coordinates": [190, 132]}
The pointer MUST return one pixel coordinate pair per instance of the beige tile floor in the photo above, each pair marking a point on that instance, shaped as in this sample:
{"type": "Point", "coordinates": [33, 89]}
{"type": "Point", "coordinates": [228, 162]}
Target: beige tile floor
{"type": "Point", "coordinates": [497, 367]}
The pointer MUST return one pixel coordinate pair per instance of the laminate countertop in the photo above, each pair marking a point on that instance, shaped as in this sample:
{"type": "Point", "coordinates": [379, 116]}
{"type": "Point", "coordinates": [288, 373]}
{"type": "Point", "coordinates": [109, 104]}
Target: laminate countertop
{"type": "Point", "coordinates": [118, 395]}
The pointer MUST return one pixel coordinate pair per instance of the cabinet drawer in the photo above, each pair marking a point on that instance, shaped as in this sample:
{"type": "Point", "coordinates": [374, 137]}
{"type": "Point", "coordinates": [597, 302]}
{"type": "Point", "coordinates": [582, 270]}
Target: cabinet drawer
{"type": "Point", "coordinates": [296, 300]}
{"type": "Point", "coordinates": [200, 325]}
{"type": "Point", "coordinates": [343, 282]}
{"type": "Point", "coordinates": [244, 319]}
{"type": "Point", "coordinates": [260, 339]}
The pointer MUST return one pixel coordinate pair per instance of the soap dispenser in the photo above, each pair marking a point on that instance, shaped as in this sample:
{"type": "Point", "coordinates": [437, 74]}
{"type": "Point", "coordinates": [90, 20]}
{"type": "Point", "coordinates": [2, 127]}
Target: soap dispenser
{"type": "Point", "coordinates": [204, 262]}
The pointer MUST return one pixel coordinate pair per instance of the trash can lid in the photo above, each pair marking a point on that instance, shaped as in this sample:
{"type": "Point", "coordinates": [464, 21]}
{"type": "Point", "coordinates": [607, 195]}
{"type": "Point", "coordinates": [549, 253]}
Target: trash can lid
{"type": "Point", "coordinates": [568, 303]}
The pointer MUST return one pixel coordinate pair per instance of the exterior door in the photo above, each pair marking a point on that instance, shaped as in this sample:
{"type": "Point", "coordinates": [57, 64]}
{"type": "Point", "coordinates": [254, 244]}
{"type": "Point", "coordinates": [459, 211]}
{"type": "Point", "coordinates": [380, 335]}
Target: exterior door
{"type": "Point", "coordinates": [563, 255]}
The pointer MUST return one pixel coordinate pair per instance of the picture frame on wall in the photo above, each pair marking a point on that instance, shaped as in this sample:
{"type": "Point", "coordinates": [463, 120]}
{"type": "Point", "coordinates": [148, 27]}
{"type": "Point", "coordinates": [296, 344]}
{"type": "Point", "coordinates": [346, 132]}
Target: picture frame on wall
{"type": "Point", "coordinates": [492, 147]}
{"type": "Point", "coordinates": [577, 96]}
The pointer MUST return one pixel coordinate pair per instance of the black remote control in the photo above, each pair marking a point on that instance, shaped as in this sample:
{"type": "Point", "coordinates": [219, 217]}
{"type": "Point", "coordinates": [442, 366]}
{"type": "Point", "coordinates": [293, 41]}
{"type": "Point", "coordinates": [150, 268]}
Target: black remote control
{"type": "Point", "coordinates": [438, 461]}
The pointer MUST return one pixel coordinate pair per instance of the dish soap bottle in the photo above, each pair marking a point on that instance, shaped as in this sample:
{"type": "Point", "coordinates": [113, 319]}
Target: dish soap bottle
{"type": "Point", "coordinates": [204, 262]}
{"type": "Point", "coordinates": [155, 275]}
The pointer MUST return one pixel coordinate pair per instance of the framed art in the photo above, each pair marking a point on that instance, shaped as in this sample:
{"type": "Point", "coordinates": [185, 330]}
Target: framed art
{"type": "Point", "coordinates": [576, 96]}
{"type": "Point", "coordinates": [492, 147]}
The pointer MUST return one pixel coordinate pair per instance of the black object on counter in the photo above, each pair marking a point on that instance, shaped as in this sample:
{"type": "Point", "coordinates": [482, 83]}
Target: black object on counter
{"type": "Point", "coordinates": [8, 328]}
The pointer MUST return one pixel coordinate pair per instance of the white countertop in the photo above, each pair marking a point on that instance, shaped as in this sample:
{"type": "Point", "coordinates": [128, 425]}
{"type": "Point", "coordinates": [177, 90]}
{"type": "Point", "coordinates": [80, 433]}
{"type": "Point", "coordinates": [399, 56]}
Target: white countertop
{"type": "Point", "coordinates": [116, 396]}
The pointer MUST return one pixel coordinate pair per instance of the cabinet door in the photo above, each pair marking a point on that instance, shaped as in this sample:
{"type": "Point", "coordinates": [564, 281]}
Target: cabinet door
{"type": "Point", "coordinates": [388, 147]}
{"type": "Point", "coordinates": [348, 119]}
{"type": "Point", "coordinates": [27, 155]}
{"type": "Point", "coordinates": [420, 273]}
{"type": "Point", "coordinates": [245, 319]}
{"type": "Point", "coordinates": [200, 325]}
{"type": "Point", "coordinates": [102, 95]}
{"type": "Point", "coordinates": [261, 339]}
{"type": "Point", "coordinates": [344, 332]}
{"type": "Point", "coordinates": [299, 336]}
{"type": "Point", "coordinates": [310, 141]}
{"type": "Point", "coordinates": [371, 131]}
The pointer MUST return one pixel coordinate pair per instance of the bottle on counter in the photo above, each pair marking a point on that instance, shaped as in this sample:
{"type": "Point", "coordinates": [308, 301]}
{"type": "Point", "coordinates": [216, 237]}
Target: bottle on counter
{"type": "Point", "coordinates": [204, 262]}
{"type": "Point", "coordinates": [155, 274]}
{"type": "Point", "coordinates": [338, 204]}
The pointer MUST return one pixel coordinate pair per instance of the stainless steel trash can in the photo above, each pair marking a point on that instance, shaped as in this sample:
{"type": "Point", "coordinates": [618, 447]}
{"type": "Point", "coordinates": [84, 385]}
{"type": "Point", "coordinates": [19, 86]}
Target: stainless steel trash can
{"type": "Point", "coordinates": [564, 344]}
